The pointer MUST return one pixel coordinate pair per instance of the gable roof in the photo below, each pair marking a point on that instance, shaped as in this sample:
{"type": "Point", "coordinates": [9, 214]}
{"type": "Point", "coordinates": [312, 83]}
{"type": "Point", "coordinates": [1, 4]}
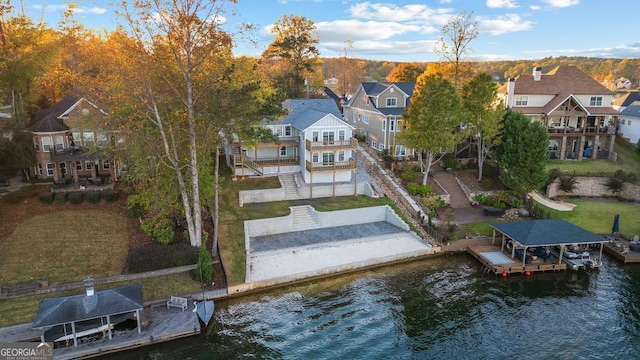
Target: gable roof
{"type": "Point", "coordinates": [631, 111]}
{"type": "Point", "coordinates": [58, 109]}
{"type": "Point", "coordinates": [49, 123]}
{"type": "Point", "coordinates": [563, 79]}
{"type": "Point", "coordinates": [306, 112]}
{"type": "Point", "coordinates": [66, 309]}
{"type": "Point", "coordinates": [549, 232]}
{"type": "Point", "coordinates": [376, 88]}
{"type": "Point", "coordinates": [627, 99]}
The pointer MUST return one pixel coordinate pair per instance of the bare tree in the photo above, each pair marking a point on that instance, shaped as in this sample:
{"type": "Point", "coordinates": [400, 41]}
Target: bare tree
{"type": "Point", "coordinates": [458, 34]}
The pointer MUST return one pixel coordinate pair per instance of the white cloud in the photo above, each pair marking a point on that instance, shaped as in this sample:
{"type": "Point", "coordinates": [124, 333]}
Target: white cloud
{"type": "Point", "coordinates": [503, 24]}
{"type": "Point", "coordinates": [341, 30]}
{"type": "Point", "coordinates": [498, 4]}
{"type": "Point", "coordinates": [535, 7]}
{"type": "Point", "coordinates": [77, 10]}
{"type": "Point", "coordinates": [385, 49]}
{"type": "Point", "coordinates": [409, 13]}
{"type": "Point", "coordinates": [561, 3]}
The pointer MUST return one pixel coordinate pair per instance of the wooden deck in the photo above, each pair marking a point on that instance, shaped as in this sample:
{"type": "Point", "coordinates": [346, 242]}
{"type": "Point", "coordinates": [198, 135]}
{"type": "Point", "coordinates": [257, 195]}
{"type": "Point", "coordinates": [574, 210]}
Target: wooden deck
{"type": "Point", "coordinates": [515, 267]}
{"type": "Point", "coordinates": [620, 250]}
{"type": "Point", "coordinates": [159, 324]}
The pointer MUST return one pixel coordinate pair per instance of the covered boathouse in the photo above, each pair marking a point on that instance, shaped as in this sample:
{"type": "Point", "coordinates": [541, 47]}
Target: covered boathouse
{"type": "Point", "coordinates": [539, 245]}
{"type": "Point", "coordinates": [71, 317]}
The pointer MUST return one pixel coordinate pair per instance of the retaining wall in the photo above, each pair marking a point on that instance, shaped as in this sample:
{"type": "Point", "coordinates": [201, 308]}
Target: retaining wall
{"type": "Point", "coordinates": [593, 187]}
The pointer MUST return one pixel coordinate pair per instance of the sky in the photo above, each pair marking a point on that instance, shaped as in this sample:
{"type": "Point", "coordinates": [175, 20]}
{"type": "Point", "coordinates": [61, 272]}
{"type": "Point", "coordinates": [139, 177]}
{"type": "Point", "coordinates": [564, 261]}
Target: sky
{"type": "Point", "coordinates": [408, 30]}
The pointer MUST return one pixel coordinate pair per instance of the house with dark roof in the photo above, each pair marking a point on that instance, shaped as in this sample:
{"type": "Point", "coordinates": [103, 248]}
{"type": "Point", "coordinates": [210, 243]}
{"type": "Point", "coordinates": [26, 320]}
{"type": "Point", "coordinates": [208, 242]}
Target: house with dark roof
{"type": "Point", "coordinates": [70, 140]}
{"type": "Point", "coordinates": [628, 98]}
{"type": "Point", "coordinates": [629, 123]}
{"type": "Point", "coordinates": [575, 108]}
{"type": "Point", "coordinates": [376, 110]}
{"type": "Point", "coordinates": [312, 140]}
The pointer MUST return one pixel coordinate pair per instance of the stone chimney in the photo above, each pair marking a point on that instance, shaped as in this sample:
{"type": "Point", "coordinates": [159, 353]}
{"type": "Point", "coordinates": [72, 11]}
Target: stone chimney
{"type": "Point", "coordinates": [537, 73]}
{"type": "Point", "coordinates": [511, 87]}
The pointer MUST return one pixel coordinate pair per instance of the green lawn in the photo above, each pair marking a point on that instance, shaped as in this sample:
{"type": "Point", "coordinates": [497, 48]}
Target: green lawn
{"type": "Point", "coordinates": [65, 246]}
{"type": "Point", "coordinates": [597, 216]}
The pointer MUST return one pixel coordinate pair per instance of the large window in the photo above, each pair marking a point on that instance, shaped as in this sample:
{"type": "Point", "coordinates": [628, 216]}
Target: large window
{"type": "Point", "coordinates": [283, 151]}
{"type": "Point", "coordinates": [106, 165]}
{"type": "Point", "coordinates": [59, 142]}
{"type": "Point", "coordinates": [49, 169]}
{"type": "Point", "coordinates": [88, 164]}
{"type": "Point", "coordinates": [342, 135]}
{"type": "Point", "coordinates": [401, 150]}
{"type": "Point", "coordinates": [595, 101]}
{"type": "Point", "coordinates": [327, 158]}
{"type": "Point", "coordinates": [522, 100]}
{"type": "Point", "coordinates": [392, 102]}
{"type": "Point", "coordinates": [316, 157]}
{"type": "Point", "coordinates": [102, 140]}
{"type": "Point", "coordinates": [88, 139]}
{"type": "Point", "coordinates": [79, 165]}
{"type": "Point", "coordinates": [315, 136]}
{"type": "Point", "coordinates": [328, 136]}
{"type": "Point", "coordinates": [76, 141]}
{"type": "Point", "coordinates": [46, 144]}
{"type": "Point", "coordinates": [341, 155]}
{"type": "Point", "coordinates": [287, 130]}
{"type": "Point", "coordinates": [365, 119]}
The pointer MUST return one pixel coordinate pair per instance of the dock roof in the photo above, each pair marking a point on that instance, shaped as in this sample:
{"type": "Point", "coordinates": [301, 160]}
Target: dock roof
{"type": "Point", "coordinates": [550, 232]}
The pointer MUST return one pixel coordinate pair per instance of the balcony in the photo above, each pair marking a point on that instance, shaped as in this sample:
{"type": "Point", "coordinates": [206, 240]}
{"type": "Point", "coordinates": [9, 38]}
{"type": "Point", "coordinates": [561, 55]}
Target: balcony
{"type": "Point", "coordinates": [328, 166]}
{"type": "Point", "coordinates": [586, 130]}
{"type": "Point", "coordinates": [335, 144]}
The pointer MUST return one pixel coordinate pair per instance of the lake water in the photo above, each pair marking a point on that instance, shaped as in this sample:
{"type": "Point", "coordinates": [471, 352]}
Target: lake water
{"type": "Point", "coordinates": [442, 308]}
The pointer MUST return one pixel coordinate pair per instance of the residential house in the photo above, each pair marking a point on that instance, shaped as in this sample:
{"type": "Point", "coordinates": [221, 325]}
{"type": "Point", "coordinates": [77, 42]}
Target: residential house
{"type": "Point", "coordinates": [70, 142]}
{"type": "Point", "coordinates": [629, 123]}
{"type": "Point", "coordinates": [625, 99]}
{"type": "Point", "coordinates": [574, 107]}
{"type": "Point", "coordinates": [376, 110]}
{"type": "Point", "coordinates": [312, 140]}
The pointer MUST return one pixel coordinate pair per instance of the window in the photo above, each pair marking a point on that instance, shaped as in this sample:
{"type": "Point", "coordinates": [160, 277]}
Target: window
{"type": "Point", "coordinates": [315, 157]}
{"type": "Point", "coordinates": [314, 135]}
{"type": "Point", "coordinates": [342, 135]}
{"type": "Point", "coordinates": [277, 130]}
{"type": "Point", "coordinates": [595, 101]}
{"type": "Point", "coordinates": [46, 144]}
{"type": "Point", "coordinates": [287, 130]}
{"type": "Point", "coordinates": [374, 144]}
{"type": "Point", "coordinates": [59, 142]}
{"type": "Point", "coordinates": [354, 117]}
{"type": "Point", "coordinates": [380, 147]}
{"type": "Point", "coordinates": [365, 119]}
{"type": "Point", "coordinates": [49, 169]}
{"type": "Point", "coordinates": [392, 102]}
{"type": "Point", "coordinates": [283, 151]}
{"type": "Point", "coordinates": [359, 117]}
{"type": "Point", "coordinates": [622, 122]}
{"type": "Point", "coordinates": [88, 139]}
{"type": "Point", "coordinates": [76, 142]}
{"type": "Point", "coordinates": [629, 122]}
{"type": "Point", "coordinates": [63, 169]}
{"type": "Point", "coordinates": [401, 126]}
{"type": "Point", "coordinates": [341, 155]}
{"type": "Point", "coordinates": [102, 140]}
{"type": "Point", "coordinates": [522, 100]}
{"type": "Point", "coordinates": [88, 165]}
{"type": "Point", "coordinates": [401, 150]}
{"type": "Point", "coordinates": [79, 165]}
{"type": "Point", "coordinates": [392, 125]}
{"type": "Point", "coordinates": [36, 145]}
{"type": "Point", "coordinates": [384, 125]}
{"type": "Point", "coordinates": [106, 165]}
{"type": "Point", "coordinates": [328, 136]}
{"type": "Point", "coordinates": [327, 158]}
{"type": "Point", "coordinates": [39, 169]}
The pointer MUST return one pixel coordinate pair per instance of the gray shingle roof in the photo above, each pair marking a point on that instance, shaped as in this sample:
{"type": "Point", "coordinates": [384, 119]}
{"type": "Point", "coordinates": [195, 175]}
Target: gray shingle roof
{"type": "Point", "coordinates": [627, 99]}
{"type": "Point", "coordinates": [306, 112]}
{"type": "Point", "coordinates": [48, 123]}
{"type": "Point", "coordinates": [631, 111]}
{"type": "Point", "coordinates": [563, 79]}
{"type": "Point", "coordinates": [63, 310]}
{"type": "Point", "coordinates": [549, 232]}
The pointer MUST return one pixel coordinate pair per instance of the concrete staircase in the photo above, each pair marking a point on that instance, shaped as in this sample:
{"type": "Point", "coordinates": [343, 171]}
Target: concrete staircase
{"type": "Point", "coordinates": [290, 187]}
{"type": "Point", "coordinates": [457, 198]}
{"type": "Point", "coordinates": [302, 218]}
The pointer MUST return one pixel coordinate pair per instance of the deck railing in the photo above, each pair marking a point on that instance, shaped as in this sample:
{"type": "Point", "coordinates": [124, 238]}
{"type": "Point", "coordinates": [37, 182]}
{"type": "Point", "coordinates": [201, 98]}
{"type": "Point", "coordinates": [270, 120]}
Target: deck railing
{"type": "Point", "coordinates": [336, 165]}
{"type": "Point", "coordinates": [335, 144]}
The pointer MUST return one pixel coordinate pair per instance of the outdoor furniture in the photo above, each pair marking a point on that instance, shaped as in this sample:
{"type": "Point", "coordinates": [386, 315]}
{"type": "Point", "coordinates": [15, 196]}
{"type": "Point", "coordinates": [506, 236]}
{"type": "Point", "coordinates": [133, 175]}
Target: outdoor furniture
{"type": "Point", "coordinates": [178, 302]}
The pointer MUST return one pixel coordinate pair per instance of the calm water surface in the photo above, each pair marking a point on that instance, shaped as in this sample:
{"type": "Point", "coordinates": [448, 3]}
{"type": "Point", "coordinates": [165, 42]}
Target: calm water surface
{"type": "Point", "coordinates": [443, 308]}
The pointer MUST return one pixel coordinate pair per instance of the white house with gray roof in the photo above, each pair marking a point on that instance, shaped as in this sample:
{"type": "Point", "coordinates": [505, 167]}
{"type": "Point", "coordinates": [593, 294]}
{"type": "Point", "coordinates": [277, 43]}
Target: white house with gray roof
{"type": "Point", "coordinates": [313, 141]}
{"type": "Point", "coordinates": [629, 124]}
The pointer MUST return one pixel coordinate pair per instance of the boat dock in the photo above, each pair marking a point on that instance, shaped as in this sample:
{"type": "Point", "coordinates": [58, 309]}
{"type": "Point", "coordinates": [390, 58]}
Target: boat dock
{"type": "Point", "coordinates": [498, 262]}
{"type": "Point", "coordinates": [159, 324]}
{"type": "Point", "coordinates": [620, 249]}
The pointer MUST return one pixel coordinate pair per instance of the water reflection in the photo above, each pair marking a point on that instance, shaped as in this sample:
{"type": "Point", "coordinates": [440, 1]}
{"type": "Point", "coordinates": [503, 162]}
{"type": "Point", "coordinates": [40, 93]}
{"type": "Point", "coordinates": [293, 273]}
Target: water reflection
{"type": "Point", "coordinates": [438, 308]}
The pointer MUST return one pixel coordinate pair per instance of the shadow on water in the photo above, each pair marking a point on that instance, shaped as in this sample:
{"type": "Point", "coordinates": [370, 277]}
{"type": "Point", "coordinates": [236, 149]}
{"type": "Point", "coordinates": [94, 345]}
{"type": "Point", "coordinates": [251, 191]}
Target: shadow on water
{"type": "Point", "coordinates": [437, 308]}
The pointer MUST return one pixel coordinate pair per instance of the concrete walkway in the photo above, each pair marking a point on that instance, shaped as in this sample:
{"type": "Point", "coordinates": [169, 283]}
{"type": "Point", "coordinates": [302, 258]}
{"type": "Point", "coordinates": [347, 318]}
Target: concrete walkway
{"type": "Point", "coordinates": [556, 205]}
{"type": "Point", "coordinates": [16, 183]}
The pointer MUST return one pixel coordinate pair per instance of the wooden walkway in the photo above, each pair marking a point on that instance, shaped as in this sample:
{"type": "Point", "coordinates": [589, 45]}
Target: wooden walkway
{"type": "Point", "coordinates": [515, 267]}
{"type": "Point", "coordinates": [620, 250]}
{"type": "Point", "coordinates": [159, 324]}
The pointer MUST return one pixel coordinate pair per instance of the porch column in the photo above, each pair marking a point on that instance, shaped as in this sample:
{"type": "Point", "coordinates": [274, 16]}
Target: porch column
{"type": "Point", "coordinates": [596, 141]}
{"type": "Point", "coordinates": [75, 171]}
{"type": "Point", "coordinates": [561, 253]}
{"type": "Point", "coordinates": [582, 142]}
{"type": "Point", "coordinates": [73, 330]}
{"type": "Point", "coordinates": [109, 326]}
{"type": "Point", "coordinates": [94, 169]}
{"type": "Point", "coordinates": [563, 147]}
{"type": "Point", "coordinates": [524, 256]}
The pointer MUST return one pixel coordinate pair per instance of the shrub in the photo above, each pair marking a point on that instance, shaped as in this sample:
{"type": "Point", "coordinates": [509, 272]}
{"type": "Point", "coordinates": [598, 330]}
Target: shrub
{"type": "Point", "coordinates": [419, 190]}
{"type": "Point", "coordinates": [517, 203]}
{"type": "Point", "coordinates": [46, 198]}
{"type": "Point", "coordinates": [450, 162]}
{"type": "Point", "coordinates": [568, 183]}
{"type": "Point", "coordinates": [110, 195]}
{"type": "Point", "coordinates": [155, 256]}
{"type": "Point", "coordinates": [435, 202]}
{"type": "Point", "coordinates": [486, 183]}
{"type": "Point", "coordinates": [619, 178]}
{"type": "Point", "coordinates": [133, 211]}
{"type": "Point", "coordinates": [204, 271]}
{"type": "Point", "coordinates": [75, 197]}
{"type": "Point", "coordinates": [480, 198]}
{"type": "Point", "coordinates": [60, 197]}
{"type": "Point", "coordinates": [161, 229]}
{"type": "Point", "coordinates": [93, 196]}
{"type": "Point", "coordinates": [408, 175]}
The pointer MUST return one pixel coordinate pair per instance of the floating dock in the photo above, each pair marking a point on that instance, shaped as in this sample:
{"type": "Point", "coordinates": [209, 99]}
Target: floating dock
{"type": "Point", "coordinates": [619, 248]}
{"type": "Point", "coordinates": [159, 324]}
{"type": "Point", "coordinates": [498, 262]}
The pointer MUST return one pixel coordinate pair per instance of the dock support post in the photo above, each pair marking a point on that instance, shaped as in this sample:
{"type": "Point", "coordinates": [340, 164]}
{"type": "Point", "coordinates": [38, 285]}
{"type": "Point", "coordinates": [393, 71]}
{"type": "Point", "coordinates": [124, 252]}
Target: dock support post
{"type": "Point", "coordinates": [109, 326]}
{"type": "Point", "coordinates": [138, 319]}
{"type": "Point", "coordinates": [75, 338]}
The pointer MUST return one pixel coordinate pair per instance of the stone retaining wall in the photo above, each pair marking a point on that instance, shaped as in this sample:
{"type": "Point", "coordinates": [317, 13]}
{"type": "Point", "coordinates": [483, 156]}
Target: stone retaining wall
{"type": "Point", "coordinates": [593, 187]}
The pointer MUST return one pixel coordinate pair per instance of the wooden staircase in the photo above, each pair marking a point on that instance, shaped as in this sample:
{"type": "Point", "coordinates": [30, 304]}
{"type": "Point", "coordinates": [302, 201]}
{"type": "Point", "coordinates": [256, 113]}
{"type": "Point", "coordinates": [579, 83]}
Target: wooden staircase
{"type": "Point", "coordinates": [241, 160]}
